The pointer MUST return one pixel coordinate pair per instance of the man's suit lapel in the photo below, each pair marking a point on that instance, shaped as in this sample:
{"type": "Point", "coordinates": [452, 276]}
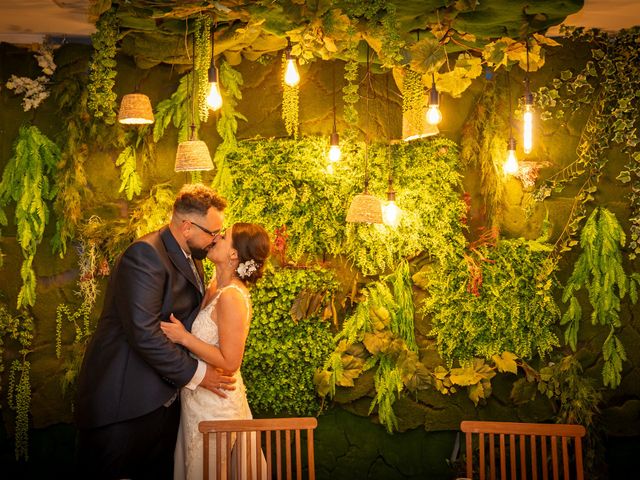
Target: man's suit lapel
{"type": "Point", "coordinates": [178, 258]}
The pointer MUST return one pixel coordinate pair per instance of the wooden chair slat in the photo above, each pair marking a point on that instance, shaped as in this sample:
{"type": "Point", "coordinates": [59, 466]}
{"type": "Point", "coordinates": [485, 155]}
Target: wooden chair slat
{"type": "Point", "coordinates": [540, 460]}
{"type": "Point", "coordinates": [248, 447]}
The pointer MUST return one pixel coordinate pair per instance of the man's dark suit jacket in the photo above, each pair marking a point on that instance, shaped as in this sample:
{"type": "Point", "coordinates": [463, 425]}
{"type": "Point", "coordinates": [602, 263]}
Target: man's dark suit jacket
{"type": "Point", "coordinates": [130, 367]}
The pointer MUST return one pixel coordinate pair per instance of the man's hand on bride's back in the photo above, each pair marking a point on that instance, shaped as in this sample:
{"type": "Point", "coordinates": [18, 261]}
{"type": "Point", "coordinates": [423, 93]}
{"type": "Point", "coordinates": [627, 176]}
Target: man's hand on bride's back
{"type": "Point", "coordinates": [218, 381]}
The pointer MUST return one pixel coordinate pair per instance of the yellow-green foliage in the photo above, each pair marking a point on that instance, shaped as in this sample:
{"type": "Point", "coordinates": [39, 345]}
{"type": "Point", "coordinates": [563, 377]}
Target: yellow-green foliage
{"type": "Point", "coordinates": [175, 110]}
{"type": "Point", "coordinates": [495, 299]}
{"type": "Point", "coordinates": [102, 72]}
{"type": "Point", "coordinates": [202, 62]}
{"type": "Point", "coordinates": [285, 182]}
{"type": "Point", "coordinates": [599, 270]}
{"type": "Point", "coordinates": [27, 181]}
{"type": "Point", "coordinates": [284, 350]}
{"type": "Point", "coordinates": [18, 327]}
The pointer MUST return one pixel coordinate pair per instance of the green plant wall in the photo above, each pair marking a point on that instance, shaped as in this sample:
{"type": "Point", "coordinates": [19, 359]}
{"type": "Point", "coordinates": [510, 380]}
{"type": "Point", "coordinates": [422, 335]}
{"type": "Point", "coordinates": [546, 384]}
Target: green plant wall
{"type": "Point", "coordinates": [248, 187]}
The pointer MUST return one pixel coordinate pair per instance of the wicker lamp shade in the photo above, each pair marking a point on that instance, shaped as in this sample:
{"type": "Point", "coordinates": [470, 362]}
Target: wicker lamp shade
{"type": "Point", "coordinates": [193, 155]}
{"type": "Point", "coordinates": [135, 109]}
{"type": "Point", "coordinates": [365, 208]}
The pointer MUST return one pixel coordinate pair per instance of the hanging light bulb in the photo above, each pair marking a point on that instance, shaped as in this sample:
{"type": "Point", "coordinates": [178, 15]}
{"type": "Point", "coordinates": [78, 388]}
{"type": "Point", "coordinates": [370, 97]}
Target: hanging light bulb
{"type": "Point", "coordinates": [334, 148]}
{"type": "Point", "coordinates": [214, 99]}
{"type": "Point", "coordinates": [434, 115]}
{"type": "Point", "coordinates": [510, 166]}
{"type": "Point", "coordinates": [291, 75]}
{"type": "Point", "coordinates": [527, 130]}
{"type": "Point", "coordinates": [391, 212]}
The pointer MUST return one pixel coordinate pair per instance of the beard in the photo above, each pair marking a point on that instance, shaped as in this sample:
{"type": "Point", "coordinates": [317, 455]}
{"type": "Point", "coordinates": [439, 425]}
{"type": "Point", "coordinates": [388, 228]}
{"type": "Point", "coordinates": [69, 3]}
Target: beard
{"type": "Point", "coordinates": [199, 253]}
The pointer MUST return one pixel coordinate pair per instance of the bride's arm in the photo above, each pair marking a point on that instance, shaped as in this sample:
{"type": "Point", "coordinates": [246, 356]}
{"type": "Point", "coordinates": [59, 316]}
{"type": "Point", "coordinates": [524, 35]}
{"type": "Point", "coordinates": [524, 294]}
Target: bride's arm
{"type": "Point", "coordinates": [232, 332]}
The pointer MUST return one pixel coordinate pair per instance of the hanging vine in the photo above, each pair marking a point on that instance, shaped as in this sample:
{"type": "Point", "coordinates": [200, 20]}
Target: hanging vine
{"type": "Point", "coordinates": [27, 180]}
{"type": "Point", "coordinates": [18, 328]}
{"type": "Point", "coordinates": [227, 124]}
{"type": "Point", "coordinates": [202, 62]}
{"type": "Point", "coordinates": [102, 69]}
{"type": "Point", "coordinates": [175, 110]}
{"type": "Point", "coordinates": [608, 86]}
{"type": "Point", "coordinates": [350, 96]}
{"type": "Point", "coordinates": [482, 146]}
{"type": "Point", "coordinates": [290, 103]}
{"type": "Point", "coordinates": [413, 101]}
{"type": "Point", "coordinates": [599, 270]}
{"type": "Point", "coordinates": [90, 266]}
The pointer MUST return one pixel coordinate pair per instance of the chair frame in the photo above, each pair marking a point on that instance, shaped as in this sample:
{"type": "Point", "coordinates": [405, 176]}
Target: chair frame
{"type": "Point", "coordinates": [523, 430]}
{"type": "Point", "coordinates": [225, 429]}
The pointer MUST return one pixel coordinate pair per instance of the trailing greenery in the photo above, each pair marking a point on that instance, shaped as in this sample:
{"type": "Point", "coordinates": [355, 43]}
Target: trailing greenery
{"type": "Point", "coordinates": [350, 96]}
{"type": "Point", "coordinates": [90, 267]}
{"type": "Point", "coordinates": [284, 182]}
{"type": "Point", "coordinates": [483, 145]}
{"type": "Point", "coordinates": [413, 101]}
{"type": "Point", "coordinates": [491, 300]}
{"type": "Point", "coordinates": [606, 87]}
{"type": "Point", "coordinates": [18, 327]}
{"type": "Point", "coordinates": [380, 332]}
{"type": "Point", "coordinates": [202, 62]}
{"type": "Point", "coordinates": [599, 269]}
{"type": "Point", "coordinates": [175, 110]}
{"type": "Point", "coordinates": [289, 339]}
{"type": "Point", "coordinates": [102, 69]}
{"type": "Point", "coordinates": [140, 146]}
{"type": "Point", "coordinates": [290, 103]}
{"type": "Point", "coordinates": [227, 124]}
{"type": "Point", "coordinates": [27, 181]}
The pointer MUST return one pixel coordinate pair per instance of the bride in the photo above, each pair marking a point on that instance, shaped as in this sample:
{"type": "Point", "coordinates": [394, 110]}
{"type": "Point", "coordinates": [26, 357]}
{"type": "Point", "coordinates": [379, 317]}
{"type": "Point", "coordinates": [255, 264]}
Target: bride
{"type": "Point", "coordinates": [218, 338]}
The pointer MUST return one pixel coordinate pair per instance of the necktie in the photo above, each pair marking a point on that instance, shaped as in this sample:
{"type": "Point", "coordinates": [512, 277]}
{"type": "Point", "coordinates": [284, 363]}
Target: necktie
{"type": "Point", "coordinates": [196, 275]}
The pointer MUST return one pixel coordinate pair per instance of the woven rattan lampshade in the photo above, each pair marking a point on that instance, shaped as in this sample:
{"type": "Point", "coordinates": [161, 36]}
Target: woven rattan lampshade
{"type": "Point", "coordinates": [365, 208]}
{"type": "Point", "coordinates": [193, 155]}
{"type": "Point", "coordinates": [135, 109]}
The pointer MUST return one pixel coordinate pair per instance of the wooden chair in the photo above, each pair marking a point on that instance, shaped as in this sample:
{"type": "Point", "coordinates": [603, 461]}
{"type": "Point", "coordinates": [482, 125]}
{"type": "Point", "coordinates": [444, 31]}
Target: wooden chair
{"type": "Point", "coordinates": [535, 459]}
{"type": "Point", "coordinates": [253, 445]}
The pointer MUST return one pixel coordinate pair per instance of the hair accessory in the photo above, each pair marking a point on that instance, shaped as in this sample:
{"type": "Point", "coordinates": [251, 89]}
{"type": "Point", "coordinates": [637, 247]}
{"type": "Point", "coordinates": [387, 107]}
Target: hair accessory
{"type": "Point", "coordinates": [246, 269]}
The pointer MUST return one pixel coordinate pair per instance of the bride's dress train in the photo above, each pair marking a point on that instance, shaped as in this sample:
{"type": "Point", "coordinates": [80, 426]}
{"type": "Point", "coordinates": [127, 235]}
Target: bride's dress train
{"type": "Point", "coordinates": [200, 404]}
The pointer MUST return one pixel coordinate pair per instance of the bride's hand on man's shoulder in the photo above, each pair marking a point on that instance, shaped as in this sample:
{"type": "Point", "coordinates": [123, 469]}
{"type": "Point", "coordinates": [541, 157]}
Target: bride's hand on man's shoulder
{"type": "Point", "coordinates": [174, 330]}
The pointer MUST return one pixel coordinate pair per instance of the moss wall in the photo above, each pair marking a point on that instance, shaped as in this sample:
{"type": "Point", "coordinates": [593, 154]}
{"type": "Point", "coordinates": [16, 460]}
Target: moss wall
{"type": "Point", "coordinates": [366, 446]}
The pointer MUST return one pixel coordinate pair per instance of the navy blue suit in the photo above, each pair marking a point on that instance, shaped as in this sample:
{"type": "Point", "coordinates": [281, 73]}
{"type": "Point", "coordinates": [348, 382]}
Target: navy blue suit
{"type": "Point", "coordinates": [130, 369]}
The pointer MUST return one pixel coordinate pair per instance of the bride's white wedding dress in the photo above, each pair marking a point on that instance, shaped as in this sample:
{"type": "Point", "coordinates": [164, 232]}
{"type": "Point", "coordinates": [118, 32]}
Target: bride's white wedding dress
{"type": "Point", "coordinates": [201, 404]}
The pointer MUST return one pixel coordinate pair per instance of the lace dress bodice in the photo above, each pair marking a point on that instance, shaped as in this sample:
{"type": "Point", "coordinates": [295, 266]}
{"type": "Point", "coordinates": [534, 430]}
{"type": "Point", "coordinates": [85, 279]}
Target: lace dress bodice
{"type": "Point", "coordinates": [201, 404]}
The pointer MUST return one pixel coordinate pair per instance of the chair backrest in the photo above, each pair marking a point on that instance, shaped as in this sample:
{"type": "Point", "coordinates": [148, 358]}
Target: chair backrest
{"type": "Point", "coordinates": [255, 447]}
{"type": "Point", "coordinates": [536, 458]}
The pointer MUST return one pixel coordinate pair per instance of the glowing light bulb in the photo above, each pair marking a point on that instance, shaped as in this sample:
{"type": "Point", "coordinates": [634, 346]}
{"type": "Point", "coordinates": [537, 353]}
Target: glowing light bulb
{"type": "Point", "coordinates": [214, 99]}
{"type": "Point", "coordinates": [334, 153]}
{"type": "Point", "coordinates": [510, 166]}
{"type": "Point", "coordinates": [291, 76]}
{"type": "Point", "coordinates": [527, 142]}
{"type": "Point", "coordinates": [434, 115]}
{"type": "Point", "coordinates": [391, 214]}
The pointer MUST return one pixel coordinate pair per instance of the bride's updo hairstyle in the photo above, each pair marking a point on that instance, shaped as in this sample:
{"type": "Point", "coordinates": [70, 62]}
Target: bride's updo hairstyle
{"type": "Point", "coordinates": [252, 243]}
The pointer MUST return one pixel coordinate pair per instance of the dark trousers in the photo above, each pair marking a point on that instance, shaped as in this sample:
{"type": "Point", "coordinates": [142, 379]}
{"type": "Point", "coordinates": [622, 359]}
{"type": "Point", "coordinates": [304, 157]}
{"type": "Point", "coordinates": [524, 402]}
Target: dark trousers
{"type": "Point", "coordinates": [139, 448]}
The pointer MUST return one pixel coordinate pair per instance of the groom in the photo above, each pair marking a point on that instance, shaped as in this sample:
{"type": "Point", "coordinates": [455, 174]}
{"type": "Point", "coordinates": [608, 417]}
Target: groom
{"type": "Point", "coordinates": [127, 408]}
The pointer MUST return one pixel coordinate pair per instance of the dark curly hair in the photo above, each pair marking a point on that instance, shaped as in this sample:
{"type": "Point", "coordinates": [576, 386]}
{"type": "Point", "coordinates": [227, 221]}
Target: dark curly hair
{"type": "Point", "coordinates": [251, 241]}
{"type": "Point", "coordinates": [197, 198]}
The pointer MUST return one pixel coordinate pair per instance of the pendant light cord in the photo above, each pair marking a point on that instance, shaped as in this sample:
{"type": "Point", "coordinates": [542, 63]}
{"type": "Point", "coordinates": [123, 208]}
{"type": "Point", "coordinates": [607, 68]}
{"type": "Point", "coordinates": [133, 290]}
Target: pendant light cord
{"type": "Point", "coordinates": [510, 118]}
{"type": "Point", "coordinates": [366, 131]}
{"type": "Point", "coordinates": [193, 90]}
{"type": "Point", "coordinates": [389, 137]}
{"type": "Point", "coordinates": [333, 77]}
